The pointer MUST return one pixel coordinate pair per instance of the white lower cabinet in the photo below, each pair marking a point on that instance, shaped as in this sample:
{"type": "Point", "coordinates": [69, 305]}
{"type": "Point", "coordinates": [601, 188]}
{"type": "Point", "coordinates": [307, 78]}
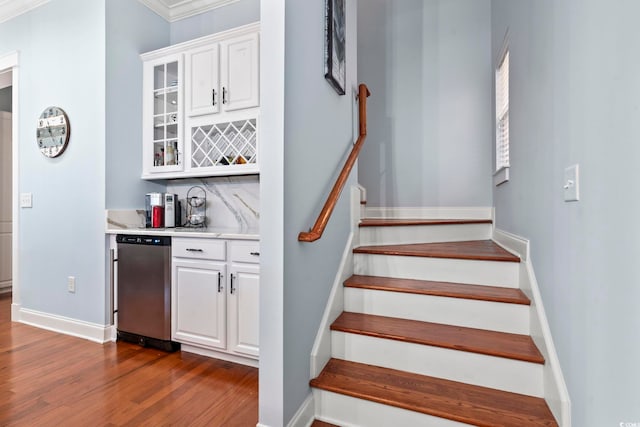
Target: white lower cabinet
{"type": "Point", "coordinates": [199, 310]}
{"type": "Point", "coordinates": [244, 303]}
{"type": "Point", "coordinates": [215, 297]}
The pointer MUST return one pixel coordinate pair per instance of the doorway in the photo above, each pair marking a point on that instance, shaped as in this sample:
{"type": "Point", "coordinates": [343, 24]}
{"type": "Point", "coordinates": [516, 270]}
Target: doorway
{"type": "Point", "coordinates": [6, 182]}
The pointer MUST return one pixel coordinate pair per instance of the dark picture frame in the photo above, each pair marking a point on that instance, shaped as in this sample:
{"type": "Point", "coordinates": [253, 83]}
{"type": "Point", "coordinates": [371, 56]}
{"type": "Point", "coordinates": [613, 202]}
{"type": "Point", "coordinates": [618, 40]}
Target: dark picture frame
{"type": "Point", "coordinates": [335, 70]}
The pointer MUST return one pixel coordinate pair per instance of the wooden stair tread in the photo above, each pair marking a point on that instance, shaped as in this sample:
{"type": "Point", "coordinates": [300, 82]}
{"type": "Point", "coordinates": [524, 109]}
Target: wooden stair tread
{"type": "Point", "coordinates": [318, 423]}
{"type": "Point", "coordinates": [441, 289]}
{"type": "Point", "coordinates": [480, 341]}
{"type": "Point", "coordinates": [382, 222]}
{"type": "Point", "coordinates": [481, 250]}
{"type": "Point", "coordinates": [452, 400]}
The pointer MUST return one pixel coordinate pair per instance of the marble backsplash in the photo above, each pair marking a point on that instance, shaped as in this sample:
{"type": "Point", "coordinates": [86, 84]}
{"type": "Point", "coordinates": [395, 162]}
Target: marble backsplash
{"type": "Point", "coordinates": [232, 202]}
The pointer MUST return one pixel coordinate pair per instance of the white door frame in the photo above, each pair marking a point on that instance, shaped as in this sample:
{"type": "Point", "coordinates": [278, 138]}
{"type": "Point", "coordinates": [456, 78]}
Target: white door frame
{"type": "Point", "coordinates": [10, 61]}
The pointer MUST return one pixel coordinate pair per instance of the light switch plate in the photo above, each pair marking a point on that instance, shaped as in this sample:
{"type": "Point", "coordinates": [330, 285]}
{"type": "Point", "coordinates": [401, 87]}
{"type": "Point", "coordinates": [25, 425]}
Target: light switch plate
{"type": "Point", "coordinates": [571, 184]}
{"type": "Point", "coordinates": [26, 200]}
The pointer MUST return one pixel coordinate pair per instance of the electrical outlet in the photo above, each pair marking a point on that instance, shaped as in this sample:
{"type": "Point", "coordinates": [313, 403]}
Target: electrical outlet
{"type": "Point", "coordinates": [71, 284]}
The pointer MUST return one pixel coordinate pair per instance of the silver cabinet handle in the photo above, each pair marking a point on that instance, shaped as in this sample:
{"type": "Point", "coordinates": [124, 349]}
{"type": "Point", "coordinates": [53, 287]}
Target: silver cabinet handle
{"type": "Point", "coordinates": [219, 282]}
{"type": "Point", "coordinates": [213, 97]}
{"type": "Point", "coordinates": [232, 288]}
{"type": "Point", "coordinates": [224, 95]}
{"type": "Point", "coordinates": [254, 253]}
{"type": "Point", "coordinates": [193, 250]}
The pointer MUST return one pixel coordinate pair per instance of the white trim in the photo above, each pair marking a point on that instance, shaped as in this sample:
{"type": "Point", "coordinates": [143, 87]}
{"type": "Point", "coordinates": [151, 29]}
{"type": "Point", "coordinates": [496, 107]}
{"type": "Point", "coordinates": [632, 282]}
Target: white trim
{"type": "Point", "coordinates": [65, 325]}
{"type": "Point", "coordinates": [556, 392]}
{"type": "Point", "coordinates": [9, 9]}
{"type": "Point", "coordinates": [229, 357]}
{"type": "Point", "coordinates": [430, 213]}
{"type": "Point", "coordinates": [321, 350]}
{"type": "Point", "coordinates": [514, 244]}
{"type": "Point", "coordinates": [5, 79]}
{"type": "Point", "coordinates": [11, 61]}
{"type": "Point", "coordinates": [501, 176]}
{"type": "Point", "coordinates": [185, 8]}
{"type": "Point", "coordinates": [179, 48]}
{"type": "Point", "coordinates": [305, 414]}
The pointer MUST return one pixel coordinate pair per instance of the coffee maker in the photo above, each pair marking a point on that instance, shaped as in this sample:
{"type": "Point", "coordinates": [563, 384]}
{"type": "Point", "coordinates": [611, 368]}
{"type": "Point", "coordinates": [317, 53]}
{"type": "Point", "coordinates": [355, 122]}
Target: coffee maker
{"type": "Point", "coordinates": [154, 210]}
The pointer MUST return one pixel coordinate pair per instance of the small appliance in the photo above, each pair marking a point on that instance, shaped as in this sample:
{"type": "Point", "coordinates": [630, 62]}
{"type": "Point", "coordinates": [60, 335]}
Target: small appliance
{"type": "Point", "coordinates": [151, 200]}
{"type": "Point", "coordinates": [171, 210]}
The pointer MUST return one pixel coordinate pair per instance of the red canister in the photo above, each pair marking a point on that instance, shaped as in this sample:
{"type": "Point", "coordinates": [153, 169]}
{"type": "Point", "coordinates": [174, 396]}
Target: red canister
{"type": "Point", "coordinates": [157, 216]}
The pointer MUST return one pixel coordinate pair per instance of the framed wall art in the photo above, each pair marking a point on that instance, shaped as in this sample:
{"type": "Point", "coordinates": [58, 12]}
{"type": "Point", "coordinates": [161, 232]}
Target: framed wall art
{"type": "Point", "coordinates": [334, 49]}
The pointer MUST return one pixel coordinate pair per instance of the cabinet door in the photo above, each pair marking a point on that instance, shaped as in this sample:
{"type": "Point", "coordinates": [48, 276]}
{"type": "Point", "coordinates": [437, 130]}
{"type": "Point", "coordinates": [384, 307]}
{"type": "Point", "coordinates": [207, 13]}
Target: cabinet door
{"type": "Point", "coordinates": [202, 81]}
{"type": "Point", "coordinates": [162, 115]}
{"type": "Point", "coordinates": [199, 303]}
{"type": "Point", "coordinates": [244, 302]}
{"type": "Point", "coordinates": [240, 72]}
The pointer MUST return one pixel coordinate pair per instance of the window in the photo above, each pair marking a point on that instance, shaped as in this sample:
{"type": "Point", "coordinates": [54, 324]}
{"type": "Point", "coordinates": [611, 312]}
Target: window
{"type": "Point", "coordinates": [502, 120]}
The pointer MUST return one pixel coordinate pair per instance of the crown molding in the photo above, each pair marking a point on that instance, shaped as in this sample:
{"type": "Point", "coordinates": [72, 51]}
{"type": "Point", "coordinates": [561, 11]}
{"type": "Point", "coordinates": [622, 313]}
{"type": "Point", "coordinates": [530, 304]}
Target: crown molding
{"type": "Point", "coordinates": [9, 9]}
{"type": "Point", "coordinates": [183, 9]}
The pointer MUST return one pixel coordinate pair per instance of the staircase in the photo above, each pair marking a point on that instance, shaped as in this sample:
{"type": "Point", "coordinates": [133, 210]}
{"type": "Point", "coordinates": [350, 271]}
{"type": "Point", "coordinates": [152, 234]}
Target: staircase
{"type": "Point", "coordinates": [435, 332]}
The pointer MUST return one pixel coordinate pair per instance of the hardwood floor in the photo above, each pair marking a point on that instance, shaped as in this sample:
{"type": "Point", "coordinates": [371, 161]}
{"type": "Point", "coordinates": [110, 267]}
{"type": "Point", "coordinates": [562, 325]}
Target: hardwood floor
{"type": "Point", "coordinates": [48, 379]}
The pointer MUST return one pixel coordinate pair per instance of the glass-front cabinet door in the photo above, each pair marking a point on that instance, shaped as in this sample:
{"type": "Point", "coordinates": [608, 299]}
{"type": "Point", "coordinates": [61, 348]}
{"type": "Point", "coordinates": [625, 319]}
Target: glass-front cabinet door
{"type": "Point", "coordinates": [162, 111]}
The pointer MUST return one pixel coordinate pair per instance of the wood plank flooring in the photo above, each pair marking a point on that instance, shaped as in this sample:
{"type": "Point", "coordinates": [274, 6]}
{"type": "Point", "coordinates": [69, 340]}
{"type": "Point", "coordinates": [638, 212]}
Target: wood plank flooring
{"type": "Point", "coordinates": [478, 406]}
{"type": "Point", "coordinates": [442, 289]}
{"type": "Point", "coordinates": [48, 379]}
{"type": "Point", "coordinates": [481, 250]}
{"type": "Point", "coordinates": [491, 343]}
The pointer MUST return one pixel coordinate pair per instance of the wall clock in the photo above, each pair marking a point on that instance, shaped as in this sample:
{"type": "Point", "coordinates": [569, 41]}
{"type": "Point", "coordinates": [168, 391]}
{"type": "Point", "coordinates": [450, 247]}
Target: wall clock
{"type": "Point", "coordinates": [53, 131]}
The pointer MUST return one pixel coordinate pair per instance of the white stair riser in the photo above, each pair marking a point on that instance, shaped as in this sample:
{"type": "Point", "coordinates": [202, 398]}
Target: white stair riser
{"type": "Point", "coordinates": [472, 368]}
{"type": "Point", "coordinates": [495, 316]}
{"type": "Point", "coordinates": [347, 411]}
{"type": "Point", "coordinates": [392, 235]}
{"type": "Point", "coordinates": [491, 273]}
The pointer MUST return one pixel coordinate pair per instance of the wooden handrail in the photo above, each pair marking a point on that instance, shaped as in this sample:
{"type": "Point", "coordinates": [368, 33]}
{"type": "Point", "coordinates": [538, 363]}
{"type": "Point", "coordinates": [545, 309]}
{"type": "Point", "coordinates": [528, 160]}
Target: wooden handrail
{"type": "Point", "coordinates": [318, 228]}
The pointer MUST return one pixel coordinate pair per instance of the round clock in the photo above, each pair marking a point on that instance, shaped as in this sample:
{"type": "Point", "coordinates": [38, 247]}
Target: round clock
{"type": "Point", "coordinates": [53, 131]}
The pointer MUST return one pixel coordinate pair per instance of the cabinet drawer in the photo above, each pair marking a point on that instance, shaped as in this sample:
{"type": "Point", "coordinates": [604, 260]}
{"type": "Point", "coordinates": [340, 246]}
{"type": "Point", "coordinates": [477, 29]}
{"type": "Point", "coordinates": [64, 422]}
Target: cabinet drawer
{"type": "Point", "coordinates": [185, 247]}
{"type": "Point", "coordinates": [245, 251]}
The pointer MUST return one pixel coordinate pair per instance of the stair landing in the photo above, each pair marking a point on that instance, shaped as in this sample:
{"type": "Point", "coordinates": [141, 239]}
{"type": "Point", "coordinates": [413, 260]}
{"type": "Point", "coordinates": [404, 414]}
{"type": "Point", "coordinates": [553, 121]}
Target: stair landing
{"type": "Point", "coordinates": [479, 406]}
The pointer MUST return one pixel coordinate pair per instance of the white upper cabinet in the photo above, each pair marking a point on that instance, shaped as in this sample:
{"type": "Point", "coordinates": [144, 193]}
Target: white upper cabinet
{"type": "Point", "coordinates": [162, 124]}
{"type": "Point", "coordinates": [203, 81]}
{"type": "Point", "coordinates": [201, 106]}
{"type": "Point", "coordinates": [240, 73]}
{"type": "Point", "coordinates": [223, 76]}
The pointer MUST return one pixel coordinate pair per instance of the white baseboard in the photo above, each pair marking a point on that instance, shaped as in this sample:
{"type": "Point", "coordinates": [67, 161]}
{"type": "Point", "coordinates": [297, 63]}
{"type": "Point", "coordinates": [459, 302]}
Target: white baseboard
{"type": "Point", "coordinates": [63, 325]}
{"type": "Point", "coordinates": [321, 351]}
{"type": "Point", "coordinates": [514, 244]}
{"type": "Point", "coordinates": [15, 312]}
{"type": "Point", "coordinates": [556, 392]}
{"type": "Point", "coordinates": [305, 414]}
{"type": "Point", "coordinates": [5, 287]}
{"type": "Point", "coordinates": [220, 355]}
{"type": "Point", "coordinates": [430, 213]}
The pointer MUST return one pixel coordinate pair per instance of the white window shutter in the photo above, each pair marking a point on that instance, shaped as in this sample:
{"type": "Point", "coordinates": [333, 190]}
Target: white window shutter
{"type": "Point", "coordinates": [502, 113]}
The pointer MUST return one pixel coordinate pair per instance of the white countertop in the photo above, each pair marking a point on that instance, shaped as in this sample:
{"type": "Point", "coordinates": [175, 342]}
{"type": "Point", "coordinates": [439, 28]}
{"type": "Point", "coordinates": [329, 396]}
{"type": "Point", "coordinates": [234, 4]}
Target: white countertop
{"type": "Point", "coordinates": [131, 222]}
{"type": "Point", "coordinates": [213, 232]}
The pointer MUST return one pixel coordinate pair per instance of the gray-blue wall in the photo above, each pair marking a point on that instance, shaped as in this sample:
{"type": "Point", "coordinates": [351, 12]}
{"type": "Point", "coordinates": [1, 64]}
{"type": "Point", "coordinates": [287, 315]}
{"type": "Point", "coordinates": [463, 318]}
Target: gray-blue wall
{"type": "Point", "coordinates": [220, 19]}
{"type": "Point", "coordinates": [5, 99]}
{"type": "Point", "coordinates": [63, 234]}
{"type": "Point", "coordinates": [574, 98]}
{"type": "Point", "coordinates": [131, 29]}
{"type": "Point", "coordinates": [317, 138]}
{"type": "Point", "coordinates": [429, 64]}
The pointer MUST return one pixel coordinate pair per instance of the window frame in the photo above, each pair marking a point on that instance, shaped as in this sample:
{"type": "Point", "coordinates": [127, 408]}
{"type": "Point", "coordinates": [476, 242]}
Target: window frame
{"type": "Point", "coordinates": [501, 114]}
